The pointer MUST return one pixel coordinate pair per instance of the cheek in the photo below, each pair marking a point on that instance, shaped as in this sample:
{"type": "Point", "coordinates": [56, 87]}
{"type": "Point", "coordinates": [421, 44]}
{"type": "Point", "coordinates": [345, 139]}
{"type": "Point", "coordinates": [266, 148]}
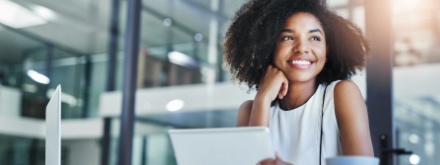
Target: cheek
{"type": "Point", "coordinates": [321, 55]}
{"type": "Point", "coordinates": [321, 51]}
{"type": "Point", "coordinates": [277, 60]}
{"type": "Point", "coordinates": [279, 52]}
{"type": "Point", "coordinates": [323, 60]}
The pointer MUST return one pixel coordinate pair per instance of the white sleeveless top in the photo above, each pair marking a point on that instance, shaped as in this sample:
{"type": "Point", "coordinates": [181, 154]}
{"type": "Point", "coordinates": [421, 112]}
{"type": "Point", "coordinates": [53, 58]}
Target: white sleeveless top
{"type": "Point", "coordinates": [296, 133]}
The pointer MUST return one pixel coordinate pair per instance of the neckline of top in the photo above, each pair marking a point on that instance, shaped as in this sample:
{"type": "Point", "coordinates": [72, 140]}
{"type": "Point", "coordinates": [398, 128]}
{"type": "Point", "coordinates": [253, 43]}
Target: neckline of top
{"type": "Point", "coordinates": [302, 105]}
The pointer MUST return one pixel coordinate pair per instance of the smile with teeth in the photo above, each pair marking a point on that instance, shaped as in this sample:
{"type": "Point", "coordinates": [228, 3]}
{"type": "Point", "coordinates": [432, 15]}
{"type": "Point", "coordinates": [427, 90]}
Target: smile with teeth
{"type": "Point", "coordinates": [301, 62]}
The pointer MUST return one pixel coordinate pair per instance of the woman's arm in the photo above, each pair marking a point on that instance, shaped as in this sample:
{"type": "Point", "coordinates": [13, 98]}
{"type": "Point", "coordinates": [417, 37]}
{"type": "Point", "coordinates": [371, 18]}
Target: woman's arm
{"type": "Point", "coordinates": [352, 117]}
{"type": "Point", "coordinates": [244, 113]}
{"type": "Point", "coordinates": [253, 113]}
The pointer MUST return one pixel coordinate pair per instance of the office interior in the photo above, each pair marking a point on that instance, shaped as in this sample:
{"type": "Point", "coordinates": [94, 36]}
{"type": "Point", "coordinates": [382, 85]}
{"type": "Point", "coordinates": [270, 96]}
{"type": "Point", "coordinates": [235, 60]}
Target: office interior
{"type": "Point", "coordinates": [182, 80]}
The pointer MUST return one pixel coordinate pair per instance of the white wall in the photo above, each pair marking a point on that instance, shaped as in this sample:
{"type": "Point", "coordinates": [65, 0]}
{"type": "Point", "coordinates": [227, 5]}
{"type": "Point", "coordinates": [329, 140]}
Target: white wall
{"type": "Point", "coordinates": [10, 101]}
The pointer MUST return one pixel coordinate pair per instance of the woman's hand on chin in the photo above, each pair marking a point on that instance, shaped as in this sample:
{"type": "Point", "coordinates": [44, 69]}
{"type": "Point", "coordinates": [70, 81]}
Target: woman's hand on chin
{"type": "Point", "coordinates": [274, 84]}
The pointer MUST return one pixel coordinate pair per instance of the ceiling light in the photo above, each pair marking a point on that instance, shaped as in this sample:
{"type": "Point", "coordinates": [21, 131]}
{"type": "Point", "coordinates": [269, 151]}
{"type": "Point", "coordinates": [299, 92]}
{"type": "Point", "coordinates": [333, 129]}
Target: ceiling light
{"type": "Point", "coordinates": [38, 77]}
{"type": "Point", "coordinates": [179, 58]}
{"type": "Point", "coordinates": [44, 12]}
{"type": "Point", "coordinates": [414, 159]}
{"type": "Point", "coordinates": [167, 22]}
{"type": "Point", "coordinates": [175, 105]}
{"type": "Point", "coordinates": [198, 37]}
{"type": "Point", "coordinates": [413, 138]}
{"type": "Point", "coordinates": [17, 16]}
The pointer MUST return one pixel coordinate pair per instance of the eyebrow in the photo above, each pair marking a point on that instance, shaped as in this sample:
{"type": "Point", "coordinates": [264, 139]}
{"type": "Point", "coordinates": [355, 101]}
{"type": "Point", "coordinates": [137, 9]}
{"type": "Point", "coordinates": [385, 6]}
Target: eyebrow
{"type": "Point", "coordinates": [315, 30]}
{"type": "Point", "coordinates": [292, 31]}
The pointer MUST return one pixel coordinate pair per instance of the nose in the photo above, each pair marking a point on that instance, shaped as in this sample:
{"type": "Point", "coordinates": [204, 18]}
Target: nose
{"type": "Point", "coordinates": [302, 47]}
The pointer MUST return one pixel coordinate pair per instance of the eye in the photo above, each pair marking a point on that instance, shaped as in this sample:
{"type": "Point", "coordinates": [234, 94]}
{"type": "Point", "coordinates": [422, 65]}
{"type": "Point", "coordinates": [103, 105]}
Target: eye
{"type": "Point", "coordinates": [285, 38]}
{"type": "Point", "coordinates": [315, 38]}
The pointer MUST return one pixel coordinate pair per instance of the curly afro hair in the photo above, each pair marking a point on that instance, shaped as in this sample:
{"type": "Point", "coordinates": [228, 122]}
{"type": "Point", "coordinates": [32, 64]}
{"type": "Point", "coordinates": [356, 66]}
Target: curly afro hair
{"type": "Point", "coordinates": [251, 39]}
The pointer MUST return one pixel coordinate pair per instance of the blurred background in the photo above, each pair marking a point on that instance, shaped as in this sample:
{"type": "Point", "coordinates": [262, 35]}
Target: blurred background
{"type": "Point", "coordinates": [182, 78]}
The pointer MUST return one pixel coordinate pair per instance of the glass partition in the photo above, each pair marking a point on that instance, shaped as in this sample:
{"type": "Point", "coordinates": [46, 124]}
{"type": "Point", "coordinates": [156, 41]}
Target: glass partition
{"type": "Point", "coordinates": [151, 144]}
{"type": "Point", "coordinates": [416, 91]}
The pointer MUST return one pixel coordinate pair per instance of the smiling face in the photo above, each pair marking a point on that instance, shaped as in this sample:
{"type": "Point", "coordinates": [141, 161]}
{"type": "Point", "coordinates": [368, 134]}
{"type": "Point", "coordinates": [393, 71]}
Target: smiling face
{"type": "Point", "coordinates": [301, 49]}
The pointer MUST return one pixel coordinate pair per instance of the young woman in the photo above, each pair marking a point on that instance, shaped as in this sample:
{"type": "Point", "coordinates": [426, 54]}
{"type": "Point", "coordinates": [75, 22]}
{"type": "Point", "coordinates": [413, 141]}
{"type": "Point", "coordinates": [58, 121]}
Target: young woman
{"type": "Point", "coordinates": [299, 56]}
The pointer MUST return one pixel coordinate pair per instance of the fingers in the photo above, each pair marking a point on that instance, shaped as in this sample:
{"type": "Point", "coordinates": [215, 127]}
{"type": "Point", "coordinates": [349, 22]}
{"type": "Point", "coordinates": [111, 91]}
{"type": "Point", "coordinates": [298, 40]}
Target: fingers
{"type": "Point", "coordinates": [282, 92]}
{"type": "Point", "coordinates": [284, 88]}
{"type": "Point", "coordinates": [277, 156]}
{"type": "Point", "coordinates": [266, 161]}
{"type": "Point", "coordinates": [270, 70]}
{"type": "Point", "coordinates": [276, 161]}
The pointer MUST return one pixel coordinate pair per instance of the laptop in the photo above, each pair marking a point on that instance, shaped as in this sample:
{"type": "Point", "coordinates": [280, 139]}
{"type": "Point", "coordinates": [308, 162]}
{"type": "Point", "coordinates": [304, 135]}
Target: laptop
{"type": "Point", "coordinates": [53, 129]}
{"type": "Point", "coordinates": [220, 146]}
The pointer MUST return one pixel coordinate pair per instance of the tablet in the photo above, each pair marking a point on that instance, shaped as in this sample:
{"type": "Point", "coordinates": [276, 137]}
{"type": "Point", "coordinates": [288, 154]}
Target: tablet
{"type": "Point", "coordinates": [220, 146]}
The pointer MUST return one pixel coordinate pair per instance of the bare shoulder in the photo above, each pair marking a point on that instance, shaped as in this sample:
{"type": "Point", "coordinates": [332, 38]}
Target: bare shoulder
{"type": "Point", "coordinates": [244, 113]}
{"type": "Point", "coordinates": [347, 97]}
{"type": "Point", "coordinates": [346, 86]}
{"type": "Point", "coordinates": [247, 105]}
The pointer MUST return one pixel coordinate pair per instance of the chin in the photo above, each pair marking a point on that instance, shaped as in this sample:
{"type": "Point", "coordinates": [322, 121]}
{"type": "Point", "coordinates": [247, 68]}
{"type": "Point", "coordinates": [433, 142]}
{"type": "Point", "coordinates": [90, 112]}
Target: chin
{"type": "Point", "coordinates": [300, 78]}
